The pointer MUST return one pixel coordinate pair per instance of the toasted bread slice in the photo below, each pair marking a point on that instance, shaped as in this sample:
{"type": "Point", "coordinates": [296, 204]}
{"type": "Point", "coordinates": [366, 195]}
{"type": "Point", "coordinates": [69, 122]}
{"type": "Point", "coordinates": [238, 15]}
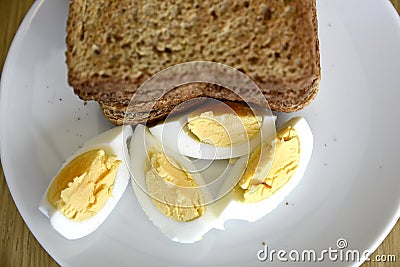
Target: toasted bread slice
{"type": "Point", "coordinates": [114, 46]}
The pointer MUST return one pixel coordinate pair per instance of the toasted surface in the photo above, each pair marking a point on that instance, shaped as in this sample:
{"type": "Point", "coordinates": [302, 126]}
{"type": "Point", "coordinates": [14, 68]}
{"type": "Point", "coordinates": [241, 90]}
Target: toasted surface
{"type": "Point", "coordinates": [114, 46]}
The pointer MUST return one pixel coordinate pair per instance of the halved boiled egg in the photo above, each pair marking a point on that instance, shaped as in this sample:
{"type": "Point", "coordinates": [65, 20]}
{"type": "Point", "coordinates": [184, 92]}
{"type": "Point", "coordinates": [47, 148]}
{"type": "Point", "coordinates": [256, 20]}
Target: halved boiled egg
{"type": "Point", "coordinates": [252, 198]}
{"type": "Point", "coordinates": [88, 186]}
{"type": "Point", "coordinates": [171, 193]}
{"type": "Point", "coordinates": [216, 130]}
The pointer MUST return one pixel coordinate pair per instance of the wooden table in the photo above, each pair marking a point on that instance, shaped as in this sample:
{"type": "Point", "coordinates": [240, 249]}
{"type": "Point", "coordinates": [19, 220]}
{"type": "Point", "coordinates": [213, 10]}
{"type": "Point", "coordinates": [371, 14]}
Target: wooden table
{"type": "Point", "coordinates": [18, 247]}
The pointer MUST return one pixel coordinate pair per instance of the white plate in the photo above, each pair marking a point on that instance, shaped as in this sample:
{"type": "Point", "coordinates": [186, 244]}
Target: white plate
{"type": "Point", "coordinates": [351, 189]}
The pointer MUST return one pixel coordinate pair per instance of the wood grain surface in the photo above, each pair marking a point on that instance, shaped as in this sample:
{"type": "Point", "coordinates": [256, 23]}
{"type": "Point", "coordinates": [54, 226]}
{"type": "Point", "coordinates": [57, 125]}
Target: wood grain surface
{"type": "Point", "coordinates": [18, 247]}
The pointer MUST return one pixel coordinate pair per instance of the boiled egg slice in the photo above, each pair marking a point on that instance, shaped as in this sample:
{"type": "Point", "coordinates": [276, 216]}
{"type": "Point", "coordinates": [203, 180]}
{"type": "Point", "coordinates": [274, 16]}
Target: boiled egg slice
{"type": "Point", "coordinates": [240, 204]}
{"type": "Point", "coordinates": [171, 193]}
{"type": "Point", "coordinates": [89, 185]}
{"type": "Point", "coordinates": [216, 130]}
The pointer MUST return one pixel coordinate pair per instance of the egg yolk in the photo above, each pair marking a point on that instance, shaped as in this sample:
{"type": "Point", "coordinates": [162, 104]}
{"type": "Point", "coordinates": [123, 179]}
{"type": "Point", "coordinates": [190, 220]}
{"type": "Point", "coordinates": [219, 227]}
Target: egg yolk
{"type": "Point", "coordinates": [81, 189]}
{"type": "Point", "coordinates": [284, 164]}
{"type": "Point", "coordinates": [225, 125]}
{"type": "Point", "coordinates": [173, 190]}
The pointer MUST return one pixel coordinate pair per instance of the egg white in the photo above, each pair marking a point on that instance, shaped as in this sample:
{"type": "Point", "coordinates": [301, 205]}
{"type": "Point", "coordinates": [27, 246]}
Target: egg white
{"type": "Point", "coordinates": [141, 144]}
{"type": "Point", "coordinates": [174, 134]}
{"type": "Point", "coordinates": [220, 175]}
{"type": "Point", "coordinates": [112, 142]}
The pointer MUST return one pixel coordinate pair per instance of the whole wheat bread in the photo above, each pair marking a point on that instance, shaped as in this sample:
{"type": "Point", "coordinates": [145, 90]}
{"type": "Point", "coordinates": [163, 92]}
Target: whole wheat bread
{"type": "Point", "coordinates": [114, 46]}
